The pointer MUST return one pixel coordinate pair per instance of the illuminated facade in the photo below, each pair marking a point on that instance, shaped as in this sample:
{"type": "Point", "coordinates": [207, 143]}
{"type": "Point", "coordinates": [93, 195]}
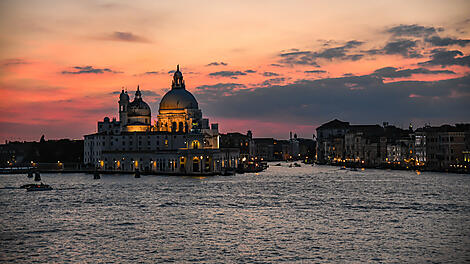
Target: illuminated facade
{"type": "Point", "coordinates": [180, 141]}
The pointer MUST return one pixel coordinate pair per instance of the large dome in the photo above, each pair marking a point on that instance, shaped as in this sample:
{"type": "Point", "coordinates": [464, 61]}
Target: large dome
{"type": "Point", "coordinates": [177, 99]}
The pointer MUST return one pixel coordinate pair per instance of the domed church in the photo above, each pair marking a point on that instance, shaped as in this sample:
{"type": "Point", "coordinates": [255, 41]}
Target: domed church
{"type": "Point", "coordinates": [179, 142]}
{"type": "Point", "coordinates": [179, 110]}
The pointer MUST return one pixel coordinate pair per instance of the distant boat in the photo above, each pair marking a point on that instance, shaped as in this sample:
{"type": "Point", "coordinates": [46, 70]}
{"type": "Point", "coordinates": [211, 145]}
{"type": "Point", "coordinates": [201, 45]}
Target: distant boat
{"type": "Point", "coordinates": [297, 165]}
{"type": "Point", "coordinates": [279, 164]}
{"type": "Point", "coordinates": [26, 186]}
{"type": "Point", "coordinates": [39, 187]}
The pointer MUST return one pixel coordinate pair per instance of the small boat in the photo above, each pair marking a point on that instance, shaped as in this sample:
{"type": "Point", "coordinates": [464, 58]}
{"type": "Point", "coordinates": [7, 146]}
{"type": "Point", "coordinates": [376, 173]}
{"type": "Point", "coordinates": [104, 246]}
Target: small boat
{"type": "Point", "coordinates": [353, 169]}
{"type": "Point", "coordinates": [279, 164]}
{"type": "Point", "coordinates": [297, 165]}
{"type": "Point", "coordinates": [290, 166]}
{"type": "Point", "coordinates": [342, 168]}
{"type": "Point", "coordinates": [26, 186]}
{"type": "Point", "coordinates": [39, 187]}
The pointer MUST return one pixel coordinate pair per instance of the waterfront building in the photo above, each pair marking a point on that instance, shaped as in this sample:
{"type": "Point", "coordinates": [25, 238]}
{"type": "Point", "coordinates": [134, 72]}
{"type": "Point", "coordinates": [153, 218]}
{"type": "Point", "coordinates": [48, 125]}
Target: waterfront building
{"type": "Point", "coordinates": [243, 142]}
{"type": "Point", "coordinates": [446, 146]}
{"type": "Point", "coordinates": [365, 144]}
{"type": "Point", "coordinates": [330, 140]}
{"type": "Point", "coordinates": [180, 141]}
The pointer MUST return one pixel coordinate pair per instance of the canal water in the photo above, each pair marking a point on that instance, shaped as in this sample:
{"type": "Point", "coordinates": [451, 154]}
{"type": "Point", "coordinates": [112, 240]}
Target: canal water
{"type": "Point", "coordinates": [311, 214]}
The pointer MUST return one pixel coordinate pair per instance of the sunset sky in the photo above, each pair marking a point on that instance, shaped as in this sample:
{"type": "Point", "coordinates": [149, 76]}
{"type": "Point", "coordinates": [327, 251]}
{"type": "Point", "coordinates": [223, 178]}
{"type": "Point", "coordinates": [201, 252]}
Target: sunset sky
{"type": "Point", "coordinates": [266, 66]}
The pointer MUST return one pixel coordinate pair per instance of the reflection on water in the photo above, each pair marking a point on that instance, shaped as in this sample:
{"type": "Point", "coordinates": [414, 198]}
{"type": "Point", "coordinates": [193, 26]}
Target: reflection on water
{"type": "Point", "coordinates": [307, 214]}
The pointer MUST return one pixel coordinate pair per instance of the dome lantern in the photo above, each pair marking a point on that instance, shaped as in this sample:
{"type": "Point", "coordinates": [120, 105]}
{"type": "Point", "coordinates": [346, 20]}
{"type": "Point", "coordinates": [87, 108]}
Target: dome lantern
{"type": "Point", "coordinates": [178, 82]}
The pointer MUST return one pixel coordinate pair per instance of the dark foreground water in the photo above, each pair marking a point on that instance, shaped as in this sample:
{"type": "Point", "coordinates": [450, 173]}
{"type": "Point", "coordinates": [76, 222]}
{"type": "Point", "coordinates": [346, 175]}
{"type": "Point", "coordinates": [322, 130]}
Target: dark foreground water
{"type": "Point", "coordinates": [306, 215]}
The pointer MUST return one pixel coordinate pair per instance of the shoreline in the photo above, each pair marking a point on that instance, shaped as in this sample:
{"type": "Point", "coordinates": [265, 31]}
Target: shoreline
{"type": "Point", "coordinates": [110, 172]}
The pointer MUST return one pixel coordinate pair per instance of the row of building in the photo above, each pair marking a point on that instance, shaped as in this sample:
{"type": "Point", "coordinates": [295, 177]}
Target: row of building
{"type": "Point", "coordinates": [435, 148]}
{"type": "Point", "coordinates": [270, 149]}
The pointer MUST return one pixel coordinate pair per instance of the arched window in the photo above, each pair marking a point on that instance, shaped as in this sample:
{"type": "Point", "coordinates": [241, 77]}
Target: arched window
{"type": "Point", "coordinates": [195, 144]}
{"type": "Point", "coordinates": [180, 127]}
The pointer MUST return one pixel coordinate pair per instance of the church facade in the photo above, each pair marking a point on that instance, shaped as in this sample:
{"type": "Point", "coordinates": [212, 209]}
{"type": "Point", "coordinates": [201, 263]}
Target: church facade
{"type": "Point", "coordinates": [179, 142]}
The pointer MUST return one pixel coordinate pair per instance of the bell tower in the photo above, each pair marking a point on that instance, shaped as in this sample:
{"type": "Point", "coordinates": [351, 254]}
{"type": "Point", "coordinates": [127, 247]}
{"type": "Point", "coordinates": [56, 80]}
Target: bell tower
{"type": "Point", "coordinates": [123, 105]}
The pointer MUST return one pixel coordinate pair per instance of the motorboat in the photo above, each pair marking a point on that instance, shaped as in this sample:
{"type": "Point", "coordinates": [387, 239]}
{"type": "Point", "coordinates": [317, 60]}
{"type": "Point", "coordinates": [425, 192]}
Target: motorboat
{"type": "Point", "coordinates": [26, 186]}
{"type": "Point", "coordinates": [39, 187]}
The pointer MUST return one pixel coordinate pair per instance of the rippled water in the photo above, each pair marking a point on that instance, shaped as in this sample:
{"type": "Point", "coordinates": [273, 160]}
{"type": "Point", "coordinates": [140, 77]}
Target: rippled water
{"type": "Point", "coordinates": [308, 214]}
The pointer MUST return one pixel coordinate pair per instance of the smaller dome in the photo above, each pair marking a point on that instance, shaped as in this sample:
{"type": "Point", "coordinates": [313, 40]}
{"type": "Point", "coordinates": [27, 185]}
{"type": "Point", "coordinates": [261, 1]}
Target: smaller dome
{"type": "Point", "coordinates": [138, 108]}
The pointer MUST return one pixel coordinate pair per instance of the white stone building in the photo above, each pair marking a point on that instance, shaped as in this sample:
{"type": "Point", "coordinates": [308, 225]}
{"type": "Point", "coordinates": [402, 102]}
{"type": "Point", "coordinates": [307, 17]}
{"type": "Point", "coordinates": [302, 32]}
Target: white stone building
{"type": "Point", "coordinates": [180, 142]}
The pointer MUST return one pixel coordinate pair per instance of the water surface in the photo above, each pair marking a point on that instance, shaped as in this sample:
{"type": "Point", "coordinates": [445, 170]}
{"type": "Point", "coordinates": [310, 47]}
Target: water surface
{"type": "Point", "coordinates": [312, 214]}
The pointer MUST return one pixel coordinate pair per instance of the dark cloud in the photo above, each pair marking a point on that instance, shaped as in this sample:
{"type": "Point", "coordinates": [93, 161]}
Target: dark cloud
{"type": "Point", "coordinates": [217, 64]}
{"type": "Point", "coordinates": [212, 92]}
{"type": "Point", "coordinates": [412, 31]}
{"type": "Point", "coordinates": [404, 47]}
{"type": "Point", "coordinates": [126, 36]}
{"type": "Point", "coordinates": [220, 87]}
{"type": "Point", "coordinates": [359, 99]}
{"type": "Point", "coordinates": [272, 81]}
{"type": "Point", "coordinates": [231, 74]}
{"type": "Point", "coordinates": [441, 42]}
{"type": "Point", "coordinates": [310, 57]}
{"type": "Point", "coordinates": [445, 57]}
{"type": "Point", "coordinates": [315, 71]}
{"type": "Point", "coordinates": [373, 51]}
{"type": "Point", "coordinates": [269, 74]}
{"type": "Point", "coordinates": [392, 72]}
{"type": "Point", "coordinates": [250, 71]}
{"type": "Point", "coordinates": [152, 73]}
{"type": "Point", "coordinates": [89, 70]}
{"type": "Point", "coordinates": [14, 61]}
